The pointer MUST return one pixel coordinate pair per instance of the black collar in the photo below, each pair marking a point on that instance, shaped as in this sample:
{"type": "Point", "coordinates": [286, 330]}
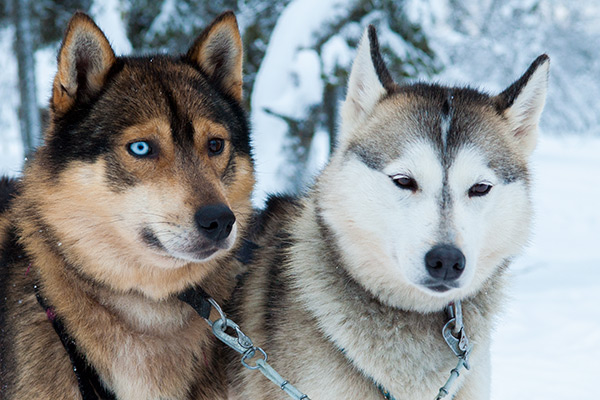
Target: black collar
{"type": "Point", "coordinates": [198, 299]}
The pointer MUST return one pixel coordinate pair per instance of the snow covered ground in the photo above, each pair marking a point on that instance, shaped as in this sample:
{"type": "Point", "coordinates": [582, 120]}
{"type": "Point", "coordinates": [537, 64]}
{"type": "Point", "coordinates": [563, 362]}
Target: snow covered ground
{"type": "Point", "coordinates": [547, 344]}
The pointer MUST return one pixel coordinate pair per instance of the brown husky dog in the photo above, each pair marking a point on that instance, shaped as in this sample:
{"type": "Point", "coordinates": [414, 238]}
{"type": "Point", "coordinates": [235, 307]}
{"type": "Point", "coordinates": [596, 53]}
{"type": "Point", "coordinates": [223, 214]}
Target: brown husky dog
{"type": "Point", "coordinates": [140, 190]}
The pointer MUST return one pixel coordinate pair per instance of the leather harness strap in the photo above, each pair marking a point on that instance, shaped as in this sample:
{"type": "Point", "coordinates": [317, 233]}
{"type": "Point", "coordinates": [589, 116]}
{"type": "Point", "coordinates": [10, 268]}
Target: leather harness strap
{"type": "Point", "coordinates": [198, 299]}
{"type": "Point", "coordinates": [90, 384]}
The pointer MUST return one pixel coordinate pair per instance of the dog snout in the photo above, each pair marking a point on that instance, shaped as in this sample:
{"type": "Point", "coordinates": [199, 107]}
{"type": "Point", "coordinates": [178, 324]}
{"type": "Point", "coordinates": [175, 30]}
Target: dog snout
{"type": "Point", "coordinates": [215, 221]}
{"type": "Point", "coordinates": [445, 262]}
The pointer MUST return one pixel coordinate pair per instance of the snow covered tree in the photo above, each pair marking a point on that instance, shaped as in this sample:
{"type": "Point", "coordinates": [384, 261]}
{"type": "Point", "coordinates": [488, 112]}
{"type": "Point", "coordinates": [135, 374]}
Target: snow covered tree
{"type": "Point", "coordinates": [30, 115]}
{"type": "Point", "coordinates": [37, 23]}
{"type": "Point", "coordinates": [170, 25]}
{"type": "Point", "coordinates": [489, 42]}
{"type": "Point", "coordinates": [303, 75]}
{"type": "Point", "coordinates": [49, 17]}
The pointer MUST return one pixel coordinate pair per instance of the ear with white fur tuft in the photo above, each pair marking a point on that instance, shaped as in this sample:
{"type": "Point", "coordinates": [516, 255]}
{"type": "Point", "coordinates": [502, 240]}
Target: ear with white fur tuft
{"type": "Point", "coordinates": [522, 103]}
{"type": "Point", "coordinates": [218, 53]}
{"type": "Point", "coordinates": [369, 81]}
{"type": "Point", "coordinates": [84, 60]}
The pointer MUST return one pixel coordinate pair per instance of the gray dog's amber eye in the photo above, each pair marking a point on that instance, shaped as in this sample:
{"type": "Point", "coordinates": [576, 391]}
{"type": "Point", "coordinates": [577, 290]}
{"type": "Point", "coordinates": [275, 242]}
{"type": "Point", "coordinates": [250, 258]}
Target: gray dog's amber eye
{"type": "Point", "coordinates": [140, 149]}
{"type": "Point", "coordinates": [405, 182]}
{"type": "Point", "coordinates": [480, 189]}
{"type": "Point", "coordinates": [215, 146]}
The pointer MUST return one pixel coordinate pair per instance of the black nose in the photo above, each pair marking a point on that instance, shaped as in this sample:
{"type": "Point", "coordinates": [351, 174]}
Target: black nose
{"type": "Point", "coordinates": [445, 262]}
{"type": "Point", "coordinates": [215, 221]}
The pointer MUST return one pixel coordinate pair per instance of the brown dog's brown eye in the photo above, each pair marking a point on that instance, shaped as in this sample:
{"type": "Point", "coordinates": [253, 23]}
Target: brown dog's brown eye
{"type": "Point", "coordinates": [479, 189]}
{"type": "Point", "coordinates": [215, 146]}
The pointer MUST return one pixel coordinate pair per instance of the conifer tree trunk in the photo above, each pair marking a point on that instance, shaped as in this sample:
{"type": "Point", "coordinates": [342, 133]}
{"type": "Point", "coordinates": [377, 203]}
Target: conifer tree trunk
{"type": "Point", "coordinates": [29, 115]}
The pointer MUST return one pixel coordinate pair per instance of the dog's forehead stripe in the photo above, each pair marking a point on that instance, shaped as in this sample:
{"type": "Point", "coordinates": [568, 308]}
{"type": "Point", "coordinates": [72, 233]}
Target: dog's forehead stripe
{"type": "Point", "coordinates": [182, 129]}
{"type": "Point", "coordinates": [445, 202]}
{"type": "Point", "coordinates": [446, 118]}
{"type": "Point", "coordinates": [212, 105]}
{"type": "Point", "coordinates": [191, 97]}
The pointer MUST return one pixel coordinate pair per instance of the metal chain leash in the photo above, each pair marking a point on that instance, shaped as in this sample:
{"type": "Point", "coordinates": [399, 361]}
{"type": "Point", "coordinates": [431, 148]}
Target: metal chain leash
{"type": "Point", "coordinates": [453, 332]}
{"type": "Point", "coordinates": [456, 338]}
{"type": "Point", "coordinates": [243, 345]}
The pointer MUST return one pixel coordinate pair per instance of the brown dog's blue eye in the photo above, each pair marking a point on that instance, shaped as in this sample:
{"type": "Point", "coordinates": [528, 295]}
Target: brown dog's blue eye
{"type": "Point", "coordinates": [215, 146]}
{"type": "Point", "coordinates": [405, 182]}
{"type": "Point", "coordinates": [479, 189]}
{"type": "Point", "coordinates": [140, 149]}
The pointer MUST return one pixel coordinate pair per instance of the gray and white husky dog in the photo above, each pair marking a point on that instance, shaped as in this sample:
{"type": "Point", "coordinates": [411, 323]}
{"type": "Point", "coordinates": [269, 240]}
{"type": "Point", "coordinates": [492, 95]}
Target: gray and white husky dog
{"type": "Point", "coordinates": [424, 203]}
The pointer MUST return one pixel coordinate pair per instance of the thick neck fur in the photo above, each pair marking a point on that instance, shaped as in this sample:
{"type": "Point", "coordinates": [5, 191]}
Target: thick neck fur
{"type": "Point", "coordinates": [367, 330]}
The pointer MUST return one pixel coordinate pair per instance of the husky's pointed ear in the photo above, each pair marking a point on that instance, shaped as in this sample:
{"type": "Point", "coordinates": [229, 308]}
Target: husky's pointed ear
{"type": "Point", "coordinates": [84, 59]}
{"type": "Point", "coordinates": [218, 52]}
{"type": "Point", "coordinates": [369, 81]}
{"type": "Point", "coordinates": [523, 101]}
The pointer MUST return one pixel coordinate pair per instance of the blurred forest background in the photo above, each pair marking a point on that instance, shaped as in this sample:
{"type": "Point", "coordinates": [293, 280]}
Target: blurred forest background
{"type": "Point", "coordinates": [298, 54]}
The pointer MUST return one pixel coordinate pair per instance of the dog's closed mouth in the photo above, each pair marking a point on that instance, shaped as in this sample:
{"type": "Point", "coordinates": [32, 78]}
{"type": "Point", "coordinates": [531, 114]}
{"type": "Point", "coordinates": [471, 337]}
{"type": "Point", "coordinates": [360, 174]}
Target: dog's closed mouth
{"type": "Point", "coordinates": [437, 286]}
{"type": "Point", "coordinates": [196, 256]}
{"type": "Point", "coordinates": [200, 251]}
